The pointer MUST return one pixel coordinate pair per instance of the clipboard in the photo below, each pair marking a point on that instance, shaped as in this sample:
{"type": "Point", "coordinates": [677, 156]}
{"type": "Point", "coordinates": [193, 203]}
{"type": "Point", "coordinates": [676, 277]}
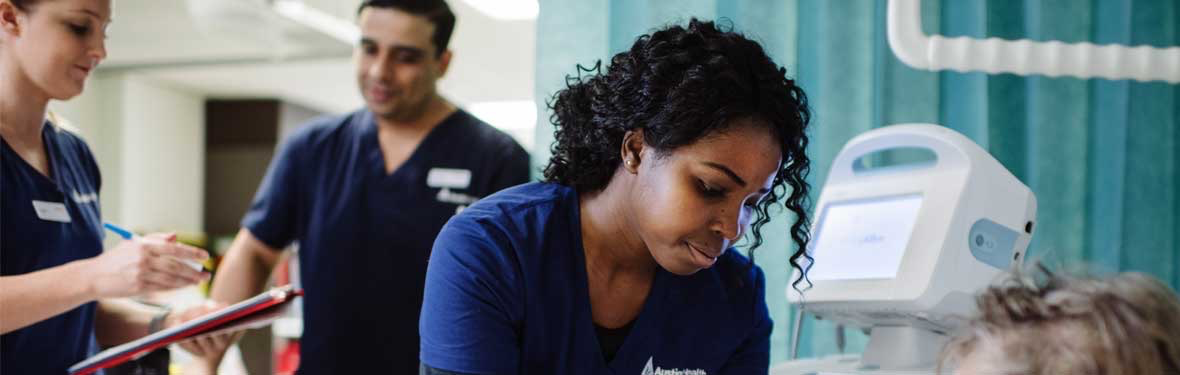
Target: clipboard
{"type": "Point", "coordinates": [255, 312]}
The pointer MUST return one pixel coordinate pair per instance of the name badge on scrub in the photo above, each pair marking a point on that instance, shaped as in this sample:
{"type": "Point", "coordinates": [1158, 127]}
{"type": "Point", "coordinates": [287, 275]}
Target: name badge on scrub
{"type": "Point", "coordinates": [448, 178]}
{"type": "Point", "coordinates": [52, 211]}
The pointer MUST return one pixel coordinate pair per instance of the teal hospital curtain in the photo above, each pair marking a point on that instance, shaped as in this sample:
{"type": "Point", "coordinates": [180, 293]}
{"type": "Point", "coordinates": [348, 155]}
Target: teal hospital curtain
{"type": "Point", "coordinates": [1100, 155]}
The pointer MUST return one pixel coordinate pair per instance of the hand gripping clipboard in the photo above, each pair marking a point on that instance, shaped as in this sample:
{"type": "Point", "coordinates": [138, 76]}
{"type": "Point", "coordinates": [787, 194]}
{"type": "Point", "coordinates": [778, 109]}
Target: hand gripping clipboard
{"type": "Point", "coordinates": [255, 312]}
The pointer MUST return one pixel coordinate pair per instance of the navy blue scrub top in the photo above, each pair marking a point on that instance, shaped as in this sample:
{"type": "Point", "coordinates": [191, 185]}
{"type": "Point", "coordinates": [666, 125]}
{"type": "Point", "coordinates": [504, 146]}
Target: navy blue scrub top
{"type": "Point", "coordinates": [30, 243]}
{"type": "Point", "coordinates": [365, 236]}
{"type": "Point", "coordinates": [506, 293]}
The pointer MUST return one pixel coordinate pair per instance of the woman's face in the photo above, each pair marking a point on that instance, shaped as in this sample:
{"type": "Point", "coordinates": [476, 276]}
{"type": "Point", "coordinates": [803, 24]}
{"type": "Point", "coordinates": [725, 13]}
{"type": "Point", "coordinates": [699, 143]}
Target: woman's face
{"type": "Point", "coordinates": [56, 43]}
{"type": "Point", "coordinates": [693, 203]}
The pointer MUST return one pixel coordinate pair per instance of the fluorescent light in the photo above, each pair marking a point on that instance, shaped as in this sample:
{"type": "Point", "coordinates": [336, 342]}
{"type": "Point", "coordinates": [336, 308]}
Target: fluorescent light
{"type": "Point", "coordinates": [518, 118]}
{"type": "Point", "coordinates": [506, 115]}
{"type": "Point", "coordinates": [507, 10]}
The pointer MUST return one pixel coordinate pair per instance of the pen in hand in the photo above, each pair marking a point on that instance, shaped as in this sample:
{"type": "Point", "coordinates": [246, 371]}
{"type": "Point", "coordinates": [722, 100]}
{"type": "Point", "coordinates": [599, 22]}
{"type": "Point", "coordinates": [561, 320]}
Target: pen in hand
{"type": "Point", "coordinates": [128, 235]}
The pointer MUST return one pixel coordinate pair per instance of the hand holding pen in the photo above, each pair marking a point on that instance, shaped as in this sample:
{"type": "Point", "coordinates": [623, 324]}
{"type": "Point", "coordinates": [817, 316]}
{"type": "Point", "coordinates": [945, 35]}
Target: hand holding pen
{"type": "Point", "coordinates": [144, 264]}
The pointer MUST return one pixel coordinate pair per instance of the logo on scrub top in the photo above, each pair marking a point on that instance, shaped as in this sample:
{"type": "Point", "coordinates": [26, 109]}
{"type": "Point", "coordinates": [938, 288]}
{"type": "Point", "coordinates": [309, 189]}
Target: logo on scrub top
{"type": "Point", "coordinates": [85, 198]}
{"type": "Point", "coordinates": [657, 370]}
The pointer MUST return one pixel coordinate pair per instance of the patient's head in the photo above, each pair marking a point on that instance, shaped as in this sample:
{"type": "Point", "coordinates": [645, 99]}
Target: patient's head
{"type": "Point", "coordinates": [1126, 324]}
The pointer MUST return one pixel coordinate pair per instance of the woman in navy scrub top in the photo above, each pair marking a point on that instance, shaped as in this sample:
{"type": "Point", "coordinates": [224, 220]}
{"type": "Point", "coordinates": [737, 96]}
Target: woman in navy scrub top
{"type": "Point", "coordinates": [622, 261]}
{"type": "Point", "coordinates": [58, 288]}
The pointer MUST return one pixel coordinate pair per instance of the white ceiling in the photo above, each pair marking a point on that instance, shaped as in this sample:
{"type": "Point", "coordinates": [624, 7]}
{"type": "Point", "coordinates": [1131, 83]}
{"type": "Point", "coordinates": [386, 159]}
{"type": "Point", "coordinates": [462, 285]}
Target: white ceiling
{"type": "Point", "coordinates": [149, 33]}
{"type": "Point", "coordinates": [244, 50]}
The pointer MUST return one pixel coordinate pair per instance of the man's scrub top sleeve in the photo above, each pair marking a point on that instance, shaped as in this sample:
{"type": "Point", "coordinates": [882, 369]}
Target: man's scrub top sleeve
{"type": "Point", "coordinates": [273, 216]}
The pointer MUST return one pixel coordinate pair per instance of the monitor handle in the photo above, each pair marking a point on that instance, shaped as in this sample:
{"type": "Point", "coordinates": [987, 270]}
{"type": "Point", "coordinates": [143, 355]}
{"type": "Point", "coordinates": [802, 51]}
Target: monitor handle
{"type": "Point", "coordinates": [947, 145]}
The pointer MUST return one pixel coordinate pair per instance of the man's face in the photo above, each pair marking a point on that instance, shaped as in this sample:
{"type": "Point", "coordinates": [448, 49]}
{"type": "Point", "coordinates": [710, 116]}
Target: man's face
{"type": "Point", "coordinates": [397, 64]}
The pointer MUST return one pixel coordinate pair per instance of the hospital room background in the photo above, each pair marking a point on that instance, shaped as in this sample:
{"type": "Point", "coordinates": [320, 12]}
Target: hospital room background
{"type": "Point", "coordinates": [184, 115]}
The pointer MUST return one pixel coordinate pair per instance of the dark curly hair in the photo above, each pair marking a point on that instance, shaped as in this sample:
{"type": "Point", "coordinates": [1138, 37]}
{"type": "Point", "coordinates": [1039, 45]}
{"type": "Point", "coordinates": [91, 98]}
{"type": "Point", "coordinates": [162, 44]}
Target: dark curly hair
{"type": "Point", "coordinates": [678, 85]}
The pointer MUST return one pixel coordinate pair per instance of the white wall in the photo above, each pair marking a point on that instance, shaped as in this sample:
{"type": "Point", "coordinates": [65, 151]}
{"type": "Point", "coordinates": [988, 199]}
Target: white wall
{"type": "Point", "coordinates": [163, 153]}
{"type": "Point", "coordinates": [493, 59]}
{"type": "Point", "coordinates": [149, 141]}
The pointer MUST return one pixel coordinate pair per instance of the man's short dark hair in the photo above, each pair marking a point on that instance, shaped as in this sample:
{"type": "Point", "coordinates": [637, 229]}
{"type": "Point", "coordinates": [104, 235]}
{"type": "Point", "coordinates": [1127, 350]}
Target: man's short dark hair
{"type": "Point", "coordinates": [435, 11]}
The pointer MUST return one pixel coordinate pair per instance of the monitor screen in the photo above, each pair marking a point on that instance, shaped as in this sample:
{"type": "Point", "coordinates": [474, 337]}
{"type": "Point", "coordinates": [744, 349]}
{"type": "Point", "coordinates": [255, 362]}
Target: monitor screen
{"type": "Point", "coordinates": [863, 238]}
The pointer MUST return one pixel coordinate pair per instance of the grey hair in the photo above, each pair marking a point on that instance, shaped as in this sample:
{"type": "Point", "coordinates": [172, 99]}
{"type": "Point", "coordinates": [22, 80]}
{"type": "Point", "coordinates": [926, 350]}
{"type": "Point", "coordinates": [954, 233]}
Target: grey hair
{"type": "Point", "coordinates": [1125, 324]}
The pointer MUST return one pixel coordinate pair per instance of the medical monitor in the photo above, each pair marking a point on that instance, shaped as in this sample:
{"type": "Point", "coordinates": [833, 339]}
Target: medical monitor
{"type": "Point", "coordinates": [910, 245]}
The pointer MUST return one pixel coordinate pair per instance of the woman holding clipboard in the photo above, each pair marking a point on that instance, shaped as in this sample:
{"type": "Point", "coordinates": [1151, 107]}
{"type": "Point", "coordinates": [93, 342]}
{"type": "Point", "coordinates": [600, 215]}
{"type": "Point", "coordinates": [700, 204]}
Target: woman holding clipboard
{"type": "Point", "coordinates": [59, 291]}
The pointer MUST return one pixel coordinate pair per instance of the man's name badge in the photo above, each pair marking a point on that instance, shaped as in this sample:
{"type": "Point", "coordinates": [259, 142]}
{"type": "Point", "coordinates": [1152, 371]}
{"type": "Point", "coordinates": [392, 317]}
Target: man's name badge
{"type": "Point", "coordinates": [448, 178]}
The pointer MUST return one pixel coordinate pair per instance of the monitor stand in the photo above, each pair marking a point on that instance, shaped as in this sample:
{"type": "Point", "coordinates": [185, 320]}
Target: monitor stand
{"type": "Point", "coordinates": [902, 348]}
{"type": "Point", "coordinates": [891, 350]}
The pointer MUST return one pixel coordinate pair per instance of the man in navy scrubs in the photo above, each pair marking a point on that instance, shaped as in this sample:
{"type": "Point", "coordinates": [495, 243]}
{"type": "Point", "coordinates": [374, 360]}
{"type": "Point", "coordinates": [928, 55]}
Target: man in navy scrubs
{"type": "Point", "coordinates": [366, 193]}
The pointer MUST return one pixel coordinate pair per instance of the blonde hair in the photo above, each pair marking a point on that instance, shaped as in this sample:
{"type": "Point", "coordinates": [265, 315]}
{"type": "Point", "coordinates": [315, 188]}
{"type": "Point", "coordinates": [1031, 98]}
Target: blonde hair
{"type": "Point", "coordinates": [1126, 324]}
{"type": "Point", "coordinates": [60, 123]}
